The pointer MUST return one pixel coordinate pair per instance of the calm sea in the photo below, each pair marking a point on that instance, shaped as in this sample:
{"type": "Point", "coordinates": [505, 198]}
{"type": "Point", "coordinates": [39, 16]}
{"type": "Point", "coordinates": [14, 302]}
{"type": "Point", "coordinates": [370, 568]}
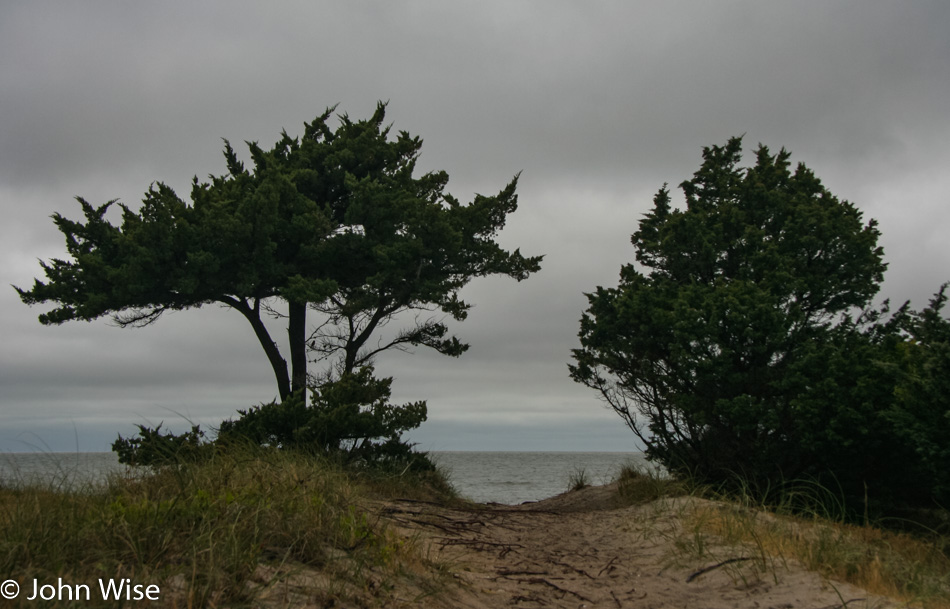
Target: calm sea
{"type": "Point", "coordinates": [510, 477]}
{"type": "Point", "coordinates": [502, 477]}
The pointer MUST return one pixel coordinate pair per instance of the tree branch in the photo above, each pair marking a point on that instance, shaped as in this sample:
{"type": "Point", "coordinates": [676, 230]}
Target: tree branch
{"type": "Point", "coordinates": [138, 318]}
{"type": "Point", "coordinates": [253, 316]}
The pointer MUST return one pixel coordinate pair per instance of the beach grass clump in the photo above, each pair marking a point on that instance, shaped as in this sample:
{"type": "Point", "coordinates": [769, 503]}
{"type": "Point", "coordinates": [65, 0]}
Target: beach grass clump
{"type": "Point", "coordinates": [578, 479]}
{"type": "Point", "coordinates": [914, 568]}
{"type": "Point", "coordinates": [222, 531]}
{"type": "Point", "coordinates": [749, 537]}
{"type": "Point", "coordinates": [637, 485]}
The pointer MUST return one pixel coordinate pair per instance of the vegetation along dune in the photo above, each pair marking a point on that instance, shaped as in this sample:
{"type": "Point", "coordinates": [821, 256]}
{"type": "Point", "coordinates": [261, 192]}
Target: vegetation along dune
{"type": "Point", "coordinates": [804, 428]}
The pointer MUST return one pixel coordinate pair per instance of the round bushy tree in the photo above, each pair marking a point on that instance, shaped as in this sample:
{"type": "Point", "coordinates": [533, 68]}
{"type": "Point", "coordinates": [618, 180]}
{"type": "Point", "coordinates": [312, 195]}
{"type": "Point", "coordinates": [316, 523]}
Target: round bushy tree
{"type": "Point", "coordinates": [740, 346]}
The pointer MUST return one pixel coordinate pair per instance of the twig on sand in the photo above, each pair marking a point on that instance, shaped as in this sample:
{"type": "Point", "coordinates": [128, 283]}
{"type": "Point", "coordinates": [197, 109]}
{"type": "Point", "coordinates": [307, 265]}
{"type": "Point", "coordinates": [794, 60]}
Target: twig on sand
{"type": "Point", "coordinates": [616, 600]}
{"type": "Point", "coordinates": [405, 500]}
{"type": "Point", "coordinates": [526, 599]}
{"type": "Point", "coordinates": [541, 580]}
{"type": "Point", "coordinates": [573, 568]}
{"type": "Point", "coordinates": [607, 566]}
{"type": "Point", "coordinates": [716, 566]}
{"type": "Point", "coordinates": [844, 604]}
{"type": "Point", "coordinates": [510, 572]}
{"type": "Point", "coordinates": [478, 542]}
{"type": "Point", "coordinates": [482, 545]}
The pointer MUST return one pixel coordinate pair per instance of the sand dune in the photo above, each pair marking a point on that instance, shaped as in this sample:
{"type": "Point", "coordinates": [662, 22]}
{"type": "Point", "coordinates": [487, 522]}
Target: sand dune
{"type": "Point", "coordinates": [578, 550]}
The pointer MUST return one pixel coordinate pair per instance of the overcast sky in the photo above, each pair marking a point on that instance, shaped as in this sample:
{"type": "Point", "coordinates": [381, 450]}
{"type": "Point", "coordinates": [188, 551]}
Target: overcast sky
{"type": "Point", "coordinates": [596, 103]}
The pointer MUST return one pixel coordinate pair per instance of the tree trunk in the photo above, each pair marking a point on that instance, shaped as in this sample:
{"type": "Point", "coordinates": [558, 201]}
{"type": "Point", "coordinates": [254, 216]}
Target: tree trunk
{"type": "Point", "coordinates": [297, 334]}
{"type": "Point", "coordinates": [277, 363]}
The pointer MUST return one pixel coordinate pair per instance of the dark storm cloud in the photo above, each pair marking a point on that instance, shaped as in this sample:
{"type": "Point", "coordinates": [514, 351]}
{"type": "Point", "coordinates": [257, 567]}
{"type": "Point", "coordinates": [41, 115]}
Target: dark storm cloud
{"type": "Point", "coordinates": [597, 104]}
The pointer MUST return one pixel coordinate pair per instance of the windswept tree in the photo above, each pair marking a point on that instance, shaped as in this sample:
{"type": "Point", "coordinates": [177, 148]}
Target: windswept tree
{"type": "Point", "coordinates": [335, 222]}
{"type": "Point", "coordinates": [738, 344]}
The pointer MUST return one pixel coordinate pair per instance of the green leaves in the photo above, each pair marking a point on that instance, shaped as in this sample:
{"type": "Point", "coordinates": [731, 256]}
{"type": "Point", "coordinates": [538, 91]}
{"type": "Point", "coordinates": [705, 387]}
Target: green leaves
{"type": "Point", "coordinates": [730, 349]}
{"type": "Point", "coordinates": [350, 418]}
{"type": "Point", "coordinates": [920, 415]}
{"type": "Point", "coordinates": [334, 222]}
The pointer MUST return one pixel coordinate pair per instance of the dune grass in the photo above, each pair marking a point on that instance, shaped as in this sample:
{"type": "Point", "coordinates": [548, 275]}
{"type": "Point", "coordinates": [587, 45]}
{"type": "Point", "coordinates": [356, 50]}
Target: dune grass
{"type": "Point", "coordinates": [908, 567]}
{"type": "Point", "coordinates": [806, 525]}
{"type": "Point", "coordinates": [637, 485]}
{"type": "Point", "coordinates": [267, 528]}
{"type": "Point", "coordinates": [230, 531]}
{"type": "Point", "coordinates": [578, 479]}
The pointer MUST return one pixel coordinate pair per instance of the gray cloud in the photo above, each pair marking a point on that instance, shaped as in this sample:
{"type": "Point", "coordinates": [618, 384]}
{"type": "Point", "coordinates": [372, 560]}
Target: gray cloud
{"type": "Point", "coordinates": [598, 105]}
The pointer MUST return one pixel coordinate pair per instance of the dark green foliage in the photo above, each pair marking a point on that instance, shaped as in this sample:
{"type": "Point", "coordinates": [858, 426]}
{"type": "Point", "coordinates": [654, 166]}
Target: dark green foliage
{"type": "Point", "coordinates": [745, 348]}
{"type": "Point", "coordinates": [921, 413]}
{"type": "Point", "coordinates": [334, 221]}
{"type": "Point", "coordinates": [156, 449]}
{"type": "Point", "coordinates": [349, 419]}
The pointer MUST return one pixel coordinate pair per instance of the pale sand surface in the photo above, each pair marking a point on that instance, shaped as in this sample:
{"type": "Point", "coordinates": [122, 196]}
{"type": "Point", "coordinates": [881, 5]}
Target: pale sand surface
{"type": "Point", "coordinates": [578, 550]}
{"type": "Point", "coordinates": [575, 550]}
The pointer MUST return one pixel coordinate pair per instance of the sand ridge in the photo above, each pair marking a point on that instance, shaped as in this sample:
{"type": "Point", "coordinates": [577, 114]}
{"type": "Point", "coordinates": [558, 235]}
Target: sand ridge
{"type": "Point", "coordinates": [579, 550]}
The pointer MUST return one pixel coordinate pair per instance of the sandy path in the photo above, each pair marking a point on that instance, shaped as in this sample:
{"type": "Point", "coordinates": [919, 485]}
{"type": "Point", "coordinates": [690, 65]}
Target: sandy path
{"type": "Point", "coordinates": [574, 551]}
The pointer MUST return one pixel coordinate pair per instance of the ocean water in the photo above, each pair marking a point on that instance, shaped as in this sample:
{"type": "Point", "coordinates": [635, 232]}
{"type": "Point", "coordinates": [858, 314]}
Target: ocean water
{"type": "Point", "coordinates": [59, 470]}
{"type": "Point", "coordinates": [516, 477]}
{"type": "Point", "coordinates": [499, 477]}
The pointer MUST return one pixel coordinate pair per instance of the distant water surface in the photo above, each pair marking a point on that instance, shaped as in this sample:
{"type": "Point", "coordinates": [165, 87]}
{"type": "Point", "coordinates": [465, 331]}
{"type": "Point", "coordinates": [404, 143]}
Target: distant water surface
{"type": "Point", "coordinates": [500, 477]}
{"type": "Point", "coordinates": [516, 477]}
{"type": "Point", "coordinates": [59, 470]}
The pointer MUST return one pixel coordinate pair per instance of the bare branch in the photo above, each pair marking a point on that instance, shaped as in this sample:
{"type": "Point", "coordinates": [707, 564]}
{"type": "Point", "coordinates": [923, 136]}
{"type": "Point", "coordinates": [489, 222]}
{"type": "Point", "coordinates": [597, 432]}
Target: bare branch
{"type": "Point", "coordinates": [426, 333]}
{"type": "Point", "coordinates": [138, 318]}
{"type": "Point", "coordinates": [235, 303]}
{"type": "Point", "coordinates": [271, 311]}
